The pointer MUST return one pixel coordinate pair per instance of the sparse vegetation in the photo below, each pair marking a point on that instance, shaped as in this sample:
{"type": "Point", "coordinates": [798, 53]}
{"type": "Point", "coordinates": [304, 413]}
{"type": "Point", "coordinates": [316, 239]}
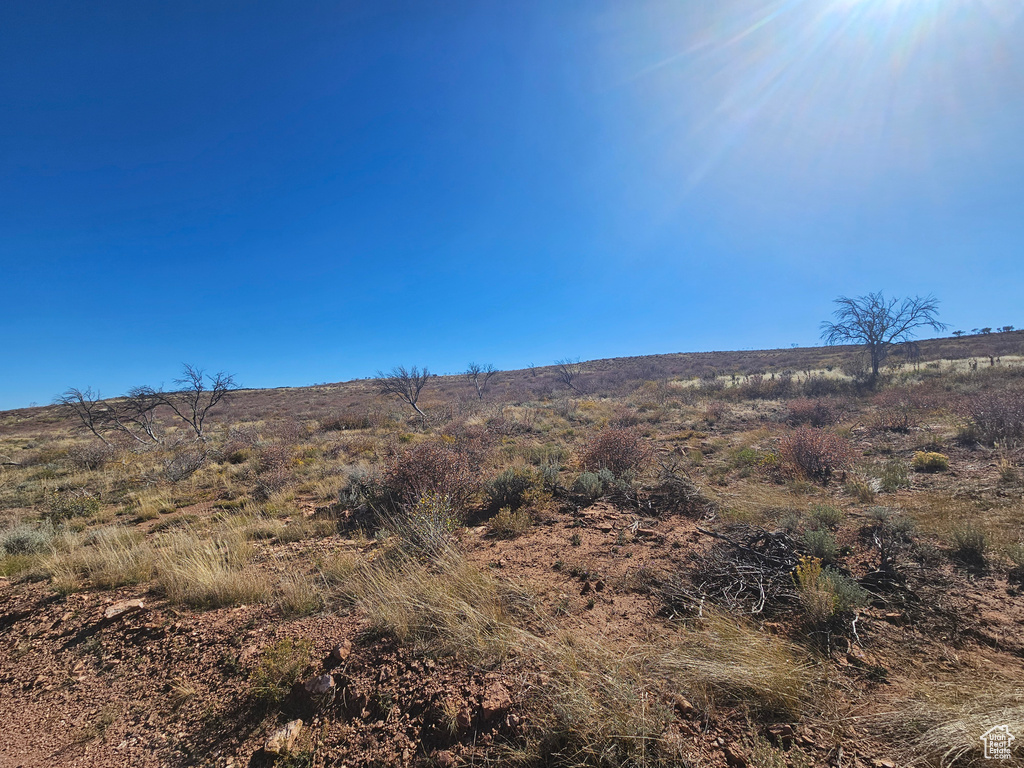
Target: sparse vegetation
{"type": "Point", "coordinates": [929, 461]}
{"type": "Point", "coordinates": [716, 528]}
{"type": "Point", "coordinates": [815, 454]}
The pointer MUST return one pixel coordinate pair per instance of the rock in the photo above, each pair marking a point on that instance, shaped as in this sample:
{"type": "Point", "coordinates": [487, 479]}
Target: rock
{"type": "Point", "coordinates": [857, 657]}
{"type": "Point", "coordinates": [444, 759]}
{"type": "Point", "coordinates": [122, 607]}
{"type": "Point", "coordinates": [599, 587]}
{"type": "Point", "coordinates": [883, 764]}
{"type": "Point", "coordinates": [497, 700]}
{"type": "Point", "coordinates": [605, 527]}
{"type": "Point", "coordinates": [463, 718]}
{"type": "Point", "coordinates": [319, 685]}
{"type": "Point", "coordinates": [319, 691]}
{"type": "Point", "coordinates": [586, 588]}
{"type": "Point", "coordinates": [281, 741]}
{"type": "Point", "coordinates": [683, 706]}
{"type": "Point", "coordinates": [734, 757]}
{"type": "Point", "coordinates": [647, 532]}
{"type": "Point", "coordinates": [782, 734]}
{"type": "Point", "coordinates": [341, 651]}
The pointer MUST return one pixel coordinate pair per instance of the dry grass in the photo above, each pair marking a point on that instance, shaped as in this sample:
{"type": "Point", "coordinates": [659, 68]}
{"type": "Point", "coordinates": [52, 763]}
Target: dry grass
{"type": "Point", "coordinates": [299, 593]}
{"type": "Point", "coordinates": [723, 657]}
{"type": "Point", "coordinates": [210, 571]}
{"type": "Point", "coordinates": [943, 722]}
{"type": "Point", "coordinates": [106, 558]}
{"type": "Point", "coordinates": [599, 708]}
{"type": "Point", "coordinates": [448, 606]}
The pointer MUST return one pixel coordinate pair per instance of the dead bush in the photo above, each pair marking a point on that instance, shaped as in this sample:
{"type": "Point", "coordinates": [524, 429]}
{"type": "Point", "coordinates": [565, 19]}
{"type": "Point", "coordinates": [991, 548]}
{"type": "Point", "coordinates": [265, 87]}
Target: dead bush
{"type": "Point", "coordinates": [439, 467]}
{"type": "Point", "coordinates": [92, 455]}
{"type": "Point", "coordinates": [898, 410]}
{"type": "Point", "coordinates": [342, 422]}
{"type": "Point", "coordinates": [760, 387]}
{"type": "Point", "coordinates": [273, 469]}
{"type": "Point", "coordinates": [814, 453]}
{"type": "Point", "coordinates": [995, 417]}
{"type": "Point", "coordinates": [817, 412]}
{"type": "Point", "coordinates": [617, 450]}
{"type": "Point", "coordinates": [183, 463]}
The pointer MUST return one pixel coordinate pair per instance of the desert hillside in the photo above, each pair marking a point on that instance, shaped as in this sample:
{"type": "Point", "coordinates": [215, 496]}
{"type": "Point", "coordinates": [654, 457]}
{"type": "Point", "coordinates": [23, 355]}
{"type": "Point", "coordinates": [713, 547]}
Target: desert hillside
{"type": "Point", "coordinates": [758, 558]}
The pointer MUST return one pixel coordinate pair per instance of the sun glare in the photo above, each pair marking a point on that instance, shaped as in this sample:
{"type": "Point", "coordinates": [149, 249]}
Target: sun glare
{"type": "Point", "coordinates": [823, 88]}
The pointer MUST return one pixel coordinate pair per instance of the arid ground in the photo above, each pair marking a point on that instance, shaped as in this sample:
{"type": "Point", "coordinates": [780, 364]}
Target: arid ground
{"type": "Point", "coordinates": [728, 559]}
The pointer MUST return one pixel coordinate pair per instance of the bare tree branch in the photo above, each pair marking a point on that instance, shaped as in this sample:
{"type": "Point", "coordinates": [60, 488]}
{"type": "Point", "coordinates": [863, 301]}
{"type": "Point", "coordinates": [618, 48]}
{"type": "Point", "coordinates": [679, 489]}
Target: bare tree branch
{"type": "Point", "coordinates": [89, 408]}
{"type": "Point", "coordinates": [404, 384]}
{"type": "Point", "coordinates": [877, 323]}
{"type": "Point", "coordinates": [199, 394]}
{"type": "Point", "coordinates": [474, 371]}
{"type": "Point", "coordinates": [569, 372]}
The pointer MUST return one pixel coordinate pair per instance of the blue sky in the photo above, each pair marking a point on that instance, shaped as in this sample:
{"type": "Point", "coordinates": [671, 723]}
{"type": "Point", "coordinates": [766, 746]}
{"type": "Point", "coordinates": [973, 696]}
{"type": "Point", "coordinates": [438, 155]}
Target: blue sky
{"type": "Point", "coordinates": [309, 192]}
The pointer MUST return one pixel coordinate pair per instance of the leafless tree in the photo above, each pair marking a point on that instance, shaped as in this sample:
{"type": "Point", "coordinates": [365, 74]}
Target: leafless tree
{"type": "Point", "coordinates": [877, 322]}
{"type": "Point", "coordinates": [569, 372]}
{"type": "Point", "coordinates": [199, 394]}
{"type": "Point", "coordinates": [135, 414]}
{"type": "Point", "coordinates": [404, 384]}
{"type": "Point", "coordinates": [480, 375]}
{"type": "Point", "coordinates": [89, 408]}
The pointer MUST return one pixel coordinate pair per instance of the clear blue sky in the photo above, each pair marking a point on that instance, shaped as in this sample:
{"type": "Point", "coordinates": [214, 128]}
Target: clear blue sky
{"type": "Point", "coordinates": [301, 192]}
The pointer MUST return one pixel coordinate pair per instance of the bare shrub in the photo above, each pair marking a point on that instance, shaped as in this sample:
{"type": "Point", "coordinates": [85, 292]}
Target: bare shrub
{"type": "Point", "coordinates": [273, 469]}
{"type": "Point", "coordinates": [617, 450]}
{"type": "Point", "coordinates": [92, 455]}
{"type": "Point", "coordinates": [814, 453]}
{"type": "Point", "coordinates": [898, 410]}
{"type": "Point", "coordinates": [436, 467]}
{"type": "Point", "coordinates": [817, 412]}
{"type": "Point", "coordinates": [821, 386]}
{"type": "Point", "coordinates": [995, 416]}
{"type": "Point", "coordinates": [345, 421]}
{"type": "Point", "coordinates": [760, 387]}
{"type": "Point", "coordinates": [183, 463]}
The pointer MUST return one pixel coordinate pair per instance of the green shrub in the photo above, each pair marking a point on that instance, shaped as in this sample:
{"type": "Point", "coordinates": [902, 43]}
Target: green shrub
{"type": "Point", "coordinates": [827, 516]}
{"type": "Point", "coordinates": [848, 593]}
{"type": "Point", "coordinates": [279, 668]}
{"type": "Point", "coordinates": [825, 593]}
{"type": "Point", "coordinates": [588, 485]}
{"type": "Point", "coordinates": [25, 539]}
{"type": "Point", "coordinates": [893, 476]}
{"type": "Point", "coordinates": [928, 461]}
{"type": "Point", "coordinates": [549, 476]}
{"type": "Point", "coordinates": [790, 521]}
{"type": "Point", "coordinates": [69, 504]}
{"type": "Point", "coordinates": [822, 544]}
{"type": "Point", "coordinates": [511, 488]}
{"type": "Point", "coordinates": [509, 523]}
{"type": "Point", "coordinates": [745, 457]}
